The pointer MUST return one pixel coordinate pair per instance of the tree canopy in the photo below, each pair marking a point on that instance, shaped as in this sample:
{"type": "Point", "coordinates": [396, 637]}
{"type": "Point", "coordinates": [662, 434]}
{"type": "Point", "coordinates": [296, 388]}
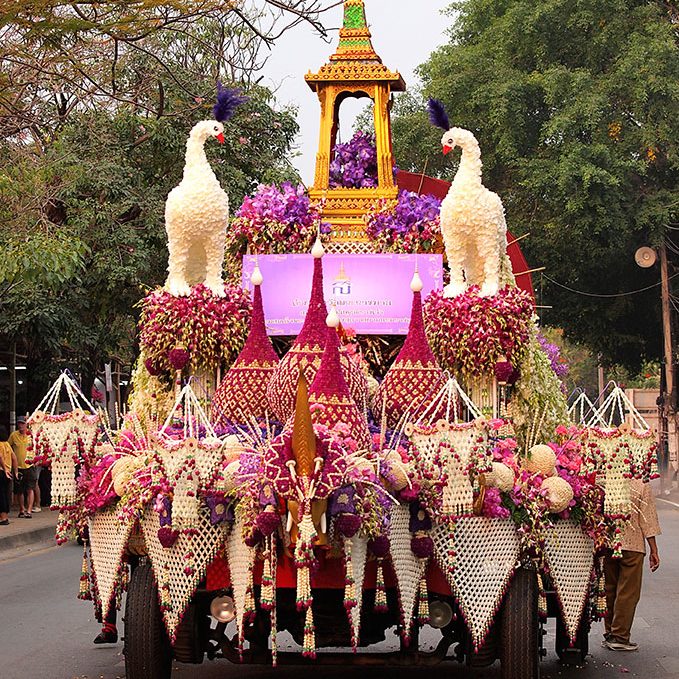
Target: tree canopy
{"type": "Point", "coordinates": [85, 171]}
{"type": "Point", "coordinates": [576, 106]}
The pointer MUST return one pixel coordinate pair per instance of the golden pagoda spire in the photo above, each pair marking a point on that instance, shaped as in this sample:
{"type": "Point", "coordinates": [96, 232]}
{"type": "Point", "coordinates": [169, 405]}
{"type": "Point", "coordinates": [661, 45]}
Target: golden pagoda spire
{"type": "Point", "coordinates": [355, 39]}
{"type": "Point", "coordinates": [355, 70]}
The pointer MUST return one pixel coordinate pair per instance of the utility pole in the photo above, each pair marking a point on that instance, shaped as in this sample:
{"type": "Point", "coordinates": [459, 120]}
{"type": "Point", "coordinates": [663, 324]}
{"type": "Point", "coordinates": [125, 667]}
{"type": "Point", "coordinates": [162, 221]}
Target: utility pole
{"type": "Point", "coordinates": [667, 327]}
{"type": "Point", "coordinates": [669, 401]}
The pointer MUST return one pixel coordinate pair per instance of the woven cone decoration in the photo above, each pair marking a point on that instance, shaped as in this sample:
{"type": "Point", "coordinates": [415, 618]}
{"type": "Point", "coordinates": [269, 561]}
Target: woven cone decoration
{"type": "Point", "coordinates": [408, 569]}
{"type": "Point", "coordinates": [485, 554]}
{"type": "Point", "coordinates": [180, 568]}
{"type": "Point", "coordinates": [108, 537]}
{"type": "Point", "coordinates": [415, 377]}
{"type": "Point", "coordinates": [330, 392]}
{"type": "Point", "coordinates": [242, 393]}
{"type": "Point", "coordinates": [306, 353]}
{"type": "Point", "coordinates": [570, 557]}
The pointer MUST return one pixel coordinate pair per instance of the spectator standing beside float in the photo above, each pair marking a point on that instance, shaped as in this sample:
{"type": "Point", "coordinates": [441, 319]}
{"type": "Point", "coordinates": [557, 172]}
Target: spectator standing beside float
{"type": "Point", "coordinates": [19, 440]}
{"type": "Point", "coordinates": [8, 468]}
{"type": "Point", "coordinates": [624, 575]}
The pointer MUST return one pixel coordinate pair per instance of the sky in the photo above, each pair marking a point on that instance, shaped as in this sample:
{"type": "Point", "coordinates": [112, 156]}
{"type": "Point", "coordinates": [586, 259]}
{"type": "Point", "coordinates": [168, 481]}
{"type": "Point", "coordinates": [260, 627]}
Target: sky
{"type": "Point", "coordinates": [404, 33]}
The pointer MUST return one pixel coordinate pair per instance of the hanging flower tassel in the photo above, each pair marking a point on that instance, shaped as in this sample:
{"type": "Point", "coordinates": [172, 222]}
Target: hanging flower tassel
{"type": "Point", "coordinates": [266, 599]}
{"type": "Point", "coordinates": [309, 648]}
{"type": "Point", "coordinates": [273, 557]}
{"type": "Point", "coordinates": [85, 591]}
{"type": "Point", "coordinates": [350, 600]}
{"type": "Point", "coordinates": [380, 590]}
{"type": "Point", "coordinates": [165, 601]}
{"type": "Point", "coordinates": [617, 539]}
{"type": "Point", "coordinates": [250, 608]}
{"type": "Point", "coordinates": [423, 602]}
{"type": "Point", "coordinates": [601, 605]}
{"type": "Point", "coordinates": [304, 559]}
{"type": "Point", "coordinates": [542, 597]}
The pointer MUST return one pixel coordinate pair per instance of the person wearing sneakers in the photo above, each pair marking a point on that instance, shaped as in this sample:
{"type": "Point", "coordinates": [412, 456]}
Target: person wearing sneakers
{"type": "Point", "coordinates": [19, 440]}
{"type": "Point", "coordinates": [8, 468]}
{"type": "Point", "coordinates": [623, 575]}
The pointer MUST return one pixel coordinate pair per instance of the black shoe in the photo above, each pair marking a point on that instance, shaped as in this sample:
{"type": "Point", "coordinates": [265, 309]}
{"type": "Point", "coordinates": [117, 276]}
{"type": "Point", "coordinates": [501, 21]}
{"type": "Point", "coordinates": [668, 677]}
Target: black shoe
{"type": "Point", "coordinates": [106, 638]}
{"type": "Point", "coordinates": [4, 523]}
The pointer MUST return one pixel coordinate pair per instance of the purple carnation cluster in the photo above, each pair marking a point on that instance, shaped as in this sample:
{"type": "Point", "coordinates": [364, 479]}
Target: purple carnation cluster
{"type": "Point", "coordinates": [558, 363]}
{"type": "Point", "coordinates": [277, 219]}
{"type": "Point", "coordinates": [409, 224]}
{"type": "Point", "coordinates": [355, 163]}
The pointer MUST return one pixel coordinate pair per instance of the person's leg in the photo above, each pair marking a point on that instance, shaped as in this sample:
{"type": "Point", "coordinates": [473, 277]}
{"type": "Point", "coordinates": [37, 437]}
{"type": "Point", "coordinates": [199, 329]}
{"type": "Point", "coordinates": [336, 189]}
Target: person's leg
{"type": "Point", "coordinates": [21, 488]}
{"type": "Point", "coordinates": [4, 498]}
{"type": "Point", "coordinates": [36, 490]}
{"type": "Point", "coordinates": [628, 593]}
{"type": "Point", "coordinates": [31, 479]}
{"type": "Point", "coordinates": [611, 573]}
{"type": "Point", "coordinates": [109, 630]}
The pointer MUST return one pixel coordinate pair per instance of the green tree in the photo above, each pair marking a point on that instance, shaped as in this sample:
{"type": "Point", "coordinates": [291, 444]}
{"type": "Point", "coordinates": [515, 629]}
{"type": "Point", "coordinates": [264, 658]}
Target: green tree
{"type": "Point", "coordinates": [96, 102]}
{"type": "Point", "coordinates": [59, 57]}
{"type": "Point", "coordinates": [105, 241]}
{"type": "Point", "coordinates": [576, 106]}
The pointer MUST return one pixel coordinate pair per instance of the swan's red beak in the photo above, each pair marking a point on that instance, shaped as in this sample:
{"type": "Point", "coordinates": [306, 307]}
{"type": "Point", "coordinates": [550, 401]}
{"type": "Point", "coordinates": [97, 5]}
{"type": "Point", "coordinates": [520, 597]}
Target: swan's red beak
{"type": "Point", "coordinates": [220, 137]}
{"type": "Point", "coordinates": [447, 150]}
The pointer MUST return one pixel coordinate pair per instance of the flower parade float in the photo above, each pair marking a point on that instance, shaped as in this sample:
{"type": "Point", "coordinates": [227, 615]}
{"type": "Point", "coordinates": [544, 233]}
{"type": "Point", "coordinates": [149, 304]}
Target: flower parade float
{"type": "Point", "coordinates": [247, 493]}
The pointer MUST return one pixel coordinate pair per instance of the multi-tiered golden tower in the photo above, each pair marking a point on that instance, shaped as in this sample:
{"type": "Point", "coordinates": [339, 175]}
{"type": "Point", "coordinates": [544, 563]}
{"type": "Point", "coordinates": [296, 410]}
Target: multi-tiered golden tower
{"type": "Point", "coordinates": [354, 70]}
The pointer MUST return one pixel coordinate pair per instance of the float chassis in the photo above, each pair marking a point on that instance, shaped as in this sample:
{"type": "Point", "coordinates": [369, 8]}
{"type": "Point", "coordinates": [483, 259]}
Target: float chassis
{"type": "Point", "coordinates": [515, 638]}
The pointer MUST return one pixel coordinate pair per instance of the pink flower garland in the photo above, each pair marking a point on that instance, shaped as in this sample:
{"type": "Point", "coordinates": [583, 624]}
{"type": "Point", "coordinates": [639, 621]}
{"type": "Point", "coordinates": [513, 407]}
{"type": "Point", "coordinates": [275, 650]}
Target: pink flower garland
{"type": "Point", "coordinates": [469, 334]}
{"type": "Point", "coordinates": [210, 328]}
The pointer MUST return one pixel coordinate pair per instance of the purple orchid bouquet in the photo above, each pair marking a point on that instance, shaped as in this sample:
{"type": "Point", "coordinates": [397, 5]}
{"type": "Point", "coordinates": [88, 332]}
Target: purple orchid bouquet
{"type": "Point", "coordinates": [556, 360]}
{"type": "Point", "coordinates": [354, 165]}
{"type": "Point", "coordinates": [276, 220]}
{"type": "Point", "coordinates": [409, 224]}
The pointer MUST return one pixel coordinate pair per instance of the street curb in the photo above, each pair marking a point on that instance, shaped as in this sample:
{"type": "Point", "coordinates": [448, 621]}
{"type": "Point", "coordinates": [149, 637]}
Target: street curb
{"type": "Point", "coordinates": [26, 538]}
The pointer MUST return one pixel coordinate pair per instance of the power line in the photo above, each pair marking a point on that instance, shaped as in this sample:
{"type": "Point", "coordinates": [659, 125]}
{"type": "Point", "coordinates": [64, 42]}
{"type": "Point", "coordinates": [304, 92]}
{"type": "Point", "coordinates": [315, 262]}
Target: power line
{"type": "Point", "coordinates": [604, 296]}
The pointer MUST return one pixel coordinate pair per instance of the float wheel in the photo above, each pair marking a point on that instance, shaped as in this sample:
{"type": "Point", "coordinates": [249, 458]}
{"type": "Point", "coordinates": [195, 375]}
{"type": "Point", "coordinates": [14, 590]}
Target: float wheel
{"type": "Point", "coordinates": [520, 628]}
{"type": "Point", "coordinates": [148, 653]}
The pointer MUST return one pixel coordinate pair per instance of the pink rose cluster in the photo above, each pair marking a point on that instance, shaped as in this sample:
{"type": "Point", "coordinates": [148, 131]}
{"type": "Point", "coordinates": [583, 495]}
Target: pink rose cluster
{"type": "Point", "coordinates": [527, 501]}
{"type": "Point", "coordinates": [210, 329]}
{"type": "Point", "coordinates": [470, 334]}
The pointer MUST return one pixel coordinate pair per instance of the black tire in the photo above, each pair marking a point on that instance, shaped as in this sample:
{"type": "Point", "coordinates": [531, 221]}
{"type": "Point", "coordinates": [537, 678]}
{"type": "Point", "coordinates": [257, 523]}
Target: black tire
{"type": "Point", "coordinates": [520, 628]}
{"type": "Point", "coordinates": [148, 654]}
{"type": "Point", "coordinates": [577, 654]}
{"type": "Point", "coordinates": [187, 644]}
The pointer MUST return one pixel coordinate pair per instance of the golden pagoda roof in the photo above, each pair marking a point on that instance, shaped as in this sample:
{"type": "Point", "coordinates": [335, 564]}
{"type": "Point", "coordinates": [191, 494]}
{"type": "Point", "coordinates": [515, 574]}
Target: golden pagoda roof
{"type": "Point", "coordinates": [355, 58]}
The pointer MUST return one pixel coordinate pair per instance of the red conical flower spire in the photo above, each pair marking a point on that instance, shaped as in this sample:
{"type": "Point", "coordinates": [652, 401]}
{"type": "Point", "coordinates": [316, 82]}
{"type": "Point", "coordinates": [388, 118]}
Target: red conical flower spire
{"type": "Point", "coordinates": [242, 393]}
{"type": "Point", "coordinates": [330, 391]}
{"type": "Point", "coordinates": [415, 374]}
{"type": "Point", "coordinates": [306, 353]}
{"type": "Point", "coordinates": [314, 331]}
{"type": "Point", "coordinates": [258, 346]}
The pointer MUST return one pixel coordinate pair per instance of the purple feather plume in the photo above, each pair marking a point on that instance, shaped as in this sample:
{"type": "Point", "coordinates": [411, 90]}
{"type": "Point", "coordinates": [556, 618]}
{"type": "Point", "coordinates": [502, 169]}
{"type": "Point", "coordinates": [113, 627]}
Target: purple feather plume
{"type": "Point", "coordinates": [228, 100]}
{"type": "Point", "coordinates": [437, 114]}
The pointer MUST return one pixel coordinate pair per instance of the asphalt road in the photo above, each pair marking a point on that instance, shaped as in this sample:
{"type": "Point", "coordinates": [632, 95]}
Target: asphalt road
{"type": "Point", "coordinates": [46, 633]}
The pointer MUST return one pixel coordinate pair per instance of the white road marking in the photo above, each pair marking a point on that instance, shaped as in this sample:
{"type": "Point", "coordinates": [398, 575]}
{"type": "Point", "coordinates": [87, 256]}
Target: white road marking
{"type": "Point", "coordinates": [674, 504]}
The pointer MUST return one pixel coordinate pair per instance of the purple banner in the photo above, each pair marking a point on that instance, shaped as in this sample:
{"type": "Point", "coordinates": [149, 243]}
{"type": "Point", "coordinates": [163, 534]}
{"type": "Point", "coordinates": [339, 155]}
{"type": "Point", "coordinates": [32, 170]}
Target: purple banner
{"type": "Point", "coordinates": [371, 293]}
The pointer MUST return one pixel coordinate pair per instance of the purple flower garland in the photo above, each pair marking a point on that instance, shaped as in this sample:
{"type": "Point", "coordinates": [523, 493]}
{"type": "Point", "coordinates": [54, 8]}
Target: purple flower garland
{"type": "Point", "coordinates": [409, 224]}
{"type": "Point", "coordinates": [276, 220]}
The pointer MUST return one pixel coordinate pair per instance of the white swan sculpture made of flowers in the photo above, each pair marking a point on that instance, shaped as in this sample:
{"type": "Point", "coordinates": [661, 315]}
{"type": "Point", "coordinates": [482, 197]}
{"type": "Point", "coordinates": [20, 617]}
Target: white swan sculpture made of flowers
{"type": "Point", "coordinates": [197, 210]}
{"type": "Point", "coordinates": [472, 217]}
